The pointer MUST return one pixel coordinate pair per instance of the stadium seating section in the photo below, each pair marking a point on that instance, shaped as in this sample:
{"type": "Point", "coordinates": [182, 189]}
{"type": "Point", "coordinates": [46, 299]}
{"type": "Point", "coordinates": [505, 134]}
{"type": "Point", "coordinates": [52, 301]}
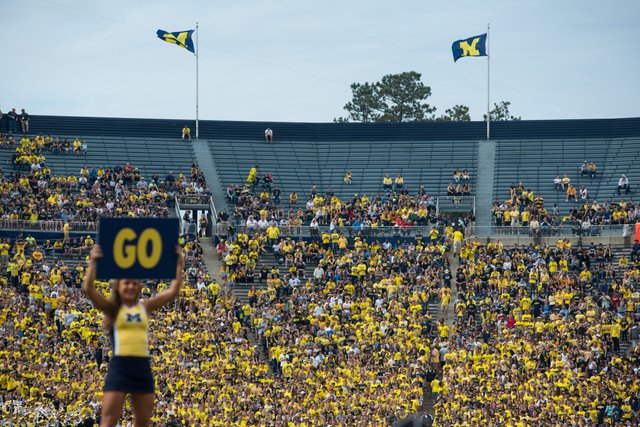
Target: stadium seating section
{"type": "Point", "coordinates": [151, 155]}
{"type": "Point", "coordinates": [351, 329]}
{"type": "Point", "coordinates": [537, 162]}
{"type": "Point", "coordinates": [297, 165]}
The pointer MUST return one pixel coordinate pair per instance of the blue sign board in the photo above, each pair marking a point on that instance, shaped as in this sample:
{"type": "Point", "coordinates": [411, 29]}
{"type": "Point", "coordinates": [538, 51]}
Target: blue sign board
{"type": "Point", "coordinates": [137, 248]}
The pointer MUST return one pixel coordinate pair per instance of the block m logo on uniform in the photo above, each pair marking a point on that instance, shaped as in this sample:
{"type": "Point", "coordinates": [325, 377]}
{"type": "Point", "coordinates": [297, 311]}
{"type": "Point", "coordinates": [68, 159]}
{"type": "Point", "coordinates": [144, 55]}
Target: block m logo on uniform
{"type": "Point", "coordinates": [134, 317]}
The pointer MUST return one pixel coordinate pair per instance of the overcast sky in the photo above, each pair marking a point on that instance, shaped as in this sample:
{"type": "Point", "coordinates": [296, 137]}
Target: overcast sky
{"type": "Point", "coordinates": [286, 60]}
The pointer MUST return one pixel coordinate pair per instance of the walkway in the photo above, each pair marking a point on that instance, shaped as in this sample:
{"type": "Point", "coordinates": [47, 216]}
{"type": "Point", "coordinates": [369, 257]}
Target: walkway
{"type": "Point", "coordinates": [485, 183]}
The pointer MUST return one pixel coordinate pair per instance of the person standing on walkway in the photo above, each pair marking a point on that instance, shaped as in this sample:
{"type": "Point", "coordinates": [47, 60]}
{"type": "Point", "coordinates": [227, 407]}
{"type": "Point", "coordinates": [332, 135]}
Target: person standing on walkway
{"type": "Point", "coordinates": [24, 121]}
{"type": "Point", "coordinates": [12, 119]}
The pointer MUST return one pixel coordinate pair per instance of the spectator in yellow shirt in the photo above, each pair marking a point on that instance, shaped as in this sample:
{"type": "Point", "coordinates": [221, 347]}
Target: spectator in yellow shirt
{"type": "Point", "coordinates": [186, 133]}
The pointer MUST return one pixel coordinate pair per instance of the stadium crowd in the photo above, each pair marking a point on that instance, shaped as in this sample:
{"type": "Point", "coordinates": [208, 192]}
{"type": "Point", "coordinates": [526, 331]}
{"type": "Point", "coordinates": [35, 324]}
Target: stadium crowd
{"type": "Point", "coordinates": [367, 310]}
{"type": "Point", "coordinates": [459, 186]}
{"type": "Point", "coordinates": [258, 205]}
{"type": "Point", "coordinates": [363, 318]}
{"type": "Point", "coordinates": [351, 343]}
{"type": "Point", "coordinates": [34, 193]}
{"type": "Point", "coordinates": [538, 336]}
{"type": "Point", "coordinates": [544, 335]}
{"type": "Point", "coordinates": [54, 349]}
{"type": "Point", "coordinates": [525, 208]}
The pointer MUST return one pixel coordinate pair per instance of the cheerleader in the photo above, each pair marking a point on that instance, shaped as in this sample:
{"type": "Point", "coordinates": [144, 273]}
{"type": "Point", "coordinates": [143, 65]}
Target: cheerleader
{"type": "Point", "coordinates": [127, 319]}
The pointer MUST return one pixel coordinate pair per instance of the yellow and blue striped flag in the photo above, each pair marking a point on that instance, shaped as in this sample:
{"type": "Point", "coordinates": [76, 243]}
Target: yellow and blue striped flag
{"type": "Point", "coordinates": [181, 38]}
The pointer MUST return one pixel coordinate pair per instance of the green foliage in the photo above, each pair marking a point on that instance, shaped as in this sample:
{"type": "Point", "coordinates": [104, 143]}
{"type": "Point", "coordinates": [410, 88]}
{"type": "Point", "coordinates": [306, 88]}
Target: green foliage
{"type": "Point", "coordinates": [365, 106]}
{"type": "Point", "coordinates": [501, 113]}
{"type": "Point", "coordinates": [458, 113]}
{"type": "Point", "coordinates": [403, 98]}
{"type": "Point", "coordinates": [396, 98]}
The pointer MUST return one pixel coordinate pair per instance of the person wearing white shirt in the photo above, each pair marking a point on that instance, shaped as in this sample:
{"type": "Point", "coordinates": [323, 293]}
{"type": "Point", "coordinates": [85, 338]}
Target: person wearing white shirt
{"type": "Point", "coordinates": [584, 194]}
{"type": "Point", "coordinates": [318, 273]}
{"type": "Point", "coordinates": [276, 249]}
{"type": "Point", "coordinates": [142, 184]}
{"type": "Point", "coordinates": [284, 226]}
{"type": "Point", "coordinates": [318, 311]}
{"type": "Point", "coordinates": [534, 225]}
{"type": "Point", "coordinates": [294, 282]}
{"type": "Point", "coordinates": [623, 184]}
{"type": "Point", "coordinates": [251, 224]}
{"type": "Point", "coordinates": [317, 361]}
{"type": "Point", "coordinates": [313, 227]}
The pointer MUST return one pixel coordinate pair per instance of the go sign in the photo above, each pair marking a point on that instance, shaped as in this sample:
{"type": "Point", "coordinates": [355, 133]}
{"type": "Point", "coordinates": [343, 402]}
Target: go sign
{"type": "Point", "coordinates": [137, 248]}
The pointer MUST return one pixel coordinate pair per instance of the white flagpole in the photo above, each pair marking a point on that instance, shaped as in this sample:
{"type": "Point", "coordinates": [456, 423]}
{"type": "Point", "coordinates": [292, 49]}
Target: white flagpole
{"type": "Point", "coordinates": [197, 88]}
{"type": "Point", "coordinates": [488, 86]}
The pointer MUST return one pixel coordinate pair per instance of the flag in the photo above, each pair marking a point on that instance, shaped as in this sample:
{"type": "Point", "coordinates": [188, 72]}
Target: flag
{"type": "Point", "coordinates": [181, 38]}
{"type": "Point", "coordinates": [473, 46]}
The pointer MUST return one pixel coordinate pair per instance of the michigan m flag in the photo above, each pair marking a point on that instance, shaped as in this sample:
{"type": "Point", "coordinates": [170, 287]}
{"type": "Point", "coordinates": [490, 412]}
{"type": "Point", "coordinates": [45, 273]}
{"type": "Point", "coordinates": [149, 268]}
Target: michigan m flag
{"type": "Point", "coordinates": [473, 46]}
{"type": "Point", "coordinates": [181, 38]}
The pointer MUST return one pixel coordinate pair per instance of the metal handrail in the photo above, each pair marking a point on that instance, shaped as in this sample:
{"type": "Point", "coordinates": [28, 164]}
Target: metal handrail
{"type": "Point", "coordinates": [381, 231]}
{"type": "Point", "coordinates": [193, 199]}
{"type": "Point", "coordinates": [455, 201]}
{"type": "Point", "coordinates": [176, 205]}
{"type": "Point", "coordinates": [47, 225]}
{"type": "Point", "coordinates": [562, 230]}
{"type": "Point", "coordinates": [214, 212]}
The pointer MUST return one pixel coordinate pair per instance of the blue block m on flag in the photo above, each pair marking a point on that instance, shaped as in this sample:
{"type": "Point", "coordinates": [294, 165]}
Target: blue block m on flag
{"type": "Point", "coordinates": [473, 46]}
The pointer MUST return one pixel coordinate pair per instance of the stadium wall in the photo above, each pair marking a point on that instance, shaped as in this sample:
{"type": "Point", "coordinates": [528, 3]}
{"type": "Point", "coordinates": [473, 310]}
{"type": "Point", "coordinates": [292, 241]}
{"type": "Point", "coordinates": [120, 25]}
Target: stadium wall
{"type": "Point", "coordinates": [430, 131]}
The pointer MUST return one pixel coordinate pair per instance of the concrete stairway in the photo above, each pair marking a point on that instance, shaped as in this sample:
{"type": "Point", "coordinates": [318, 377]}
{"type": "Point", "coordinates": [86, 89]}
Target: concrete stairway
{"type": "Point", "coordinates": [203, 156]}
{"type": "Point", "coordinates": [211, 260]}
{"type": "Point", "coordinates": [484, 186]}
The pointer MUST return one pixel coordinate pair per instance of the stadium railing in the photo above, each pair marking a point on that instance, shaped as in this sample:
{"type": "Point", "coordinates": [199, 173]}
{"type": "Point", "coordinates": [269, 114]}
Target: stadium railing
{"type": "Point", "coordinates": [563, 230]}
{"type": "Point", "coordinates": [456, 204]}
{"type": "Point", "coordinates": [196, 199]}
{"type": "Point", "coordinates": [349, 231]}
{"type": "Point", "coordinates": [54, 225]}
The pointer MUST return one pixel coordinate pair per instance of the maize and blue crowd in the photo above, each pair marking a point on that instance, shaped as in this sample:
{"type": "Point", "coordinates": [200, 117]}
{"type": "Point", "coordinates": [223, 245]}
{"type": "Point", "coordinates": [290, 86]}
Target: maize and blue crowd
{"type": "Point", "coordinates": [341, 330]}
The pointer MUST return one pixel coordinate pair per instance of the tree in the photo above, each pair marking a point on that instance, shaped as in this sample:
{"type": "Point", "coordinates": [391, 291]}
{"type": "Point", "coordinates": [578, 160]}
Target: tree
{"type": "Point", "coordinates": [365, 106]}
{"type": "Point", "coordinates": [458, 113]}
{"type": "Point", "coordinates": [396, 98]}
{"type": "Point", "coordinates": [404, 97]}
{"type": "Point", "coordinates": [501, 113]}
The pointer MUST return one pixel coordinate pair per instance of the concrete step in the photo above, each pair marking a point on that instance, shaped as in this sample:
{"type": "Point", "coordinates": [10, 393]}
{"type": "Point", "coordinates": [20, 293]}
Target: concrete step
{"type": "Point", "coordinates": [485, 183]}
{"type": "Point", "coordinates": [203, 155]}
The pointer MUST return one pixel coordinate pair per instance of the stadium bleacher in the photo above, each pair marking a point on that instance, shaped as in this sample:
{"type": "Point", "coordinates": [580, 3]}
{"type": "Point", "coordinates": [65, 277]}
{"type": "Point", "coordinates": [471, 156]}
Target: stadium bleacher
{"type": "Point", "coordinates": [153, 155]}
{"type": "Point", "coordinates": [298, 165]}
{"type": "Point", "coordinates": [537, 162]}
{"type": "Point", "coordinates": [388, 329]}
